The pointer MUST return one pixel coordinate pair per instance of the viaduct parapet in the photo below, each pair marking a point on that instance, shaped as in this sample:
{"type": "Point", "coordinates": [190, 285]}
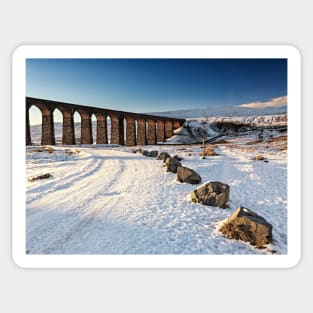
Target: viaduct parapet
{"type": "Point", "coordinates": [127, 128]}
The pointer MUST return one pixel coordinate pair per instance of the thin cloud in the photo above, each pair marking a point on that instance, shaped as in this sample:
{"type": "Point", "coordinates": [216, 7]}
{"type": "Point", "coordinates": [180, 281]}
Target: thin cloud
{"type": "Point", "coordinates": [275, 102]}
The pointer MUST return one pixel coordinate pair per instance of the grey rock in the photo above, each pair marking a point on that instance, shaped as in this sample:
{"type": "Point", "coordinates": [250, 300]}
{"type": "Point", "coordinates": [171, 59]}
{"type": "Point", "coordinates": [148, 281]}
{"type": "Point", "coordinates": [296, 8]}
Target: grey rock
{"type": "Point", "coordinates": [153, 154]}
{"type": "Point", "coordinates": [212, 193]}
{"type": "Point", "coordinates": [187, 175]}
{"type": "Point", "coordinates": [43, 176]}
{"type": "Point", "coordinates": [172, 164]}
{"type": "Point", "coordinates": [163, 156]}
{"type": "Point", "coordinates": [248, 226]}
{"type": "Point", "coordinates": [178, 158]}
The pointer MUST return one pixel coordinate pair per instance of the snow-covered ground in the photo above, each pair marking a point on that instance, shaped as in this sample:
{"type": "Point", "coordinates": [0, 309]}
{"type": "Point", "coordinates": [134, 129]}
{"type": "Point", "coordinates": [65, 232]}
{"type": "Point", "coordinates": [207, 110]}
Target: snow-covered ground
{"type": "Point", "coordinates": [224, 126]}
{"type": "Point", "coordinates": [193, 123]}
{"type": "Point", "coordinates": [110, 200]}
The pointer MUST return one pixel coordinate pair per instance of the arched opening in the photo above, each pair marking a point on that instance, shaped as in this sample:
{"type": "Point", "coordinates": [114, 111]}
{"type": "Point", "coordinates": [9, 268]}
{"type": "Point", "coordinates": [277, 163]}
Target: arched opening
{"type": "Point", "coordinates": [58, 126]}
{"type": "Point", "coordinates": [147, 130]}
{"type": "Point", "coordinates": [94, 128]}
{"type": "Point", "coordinates": [156, 131]}
{"type": "Point", "coordinates": [77, 127]}
{"type": "Point", "coordinates": [35, 121]}
{"type": "Point", "coordinates": [109, 122]}
{"type": "Point", "coordinates": [136, 131]}
{"type": "Point", "coordinates": [124, 130]}
{"type": "Point", "coordinates": [101, 129]}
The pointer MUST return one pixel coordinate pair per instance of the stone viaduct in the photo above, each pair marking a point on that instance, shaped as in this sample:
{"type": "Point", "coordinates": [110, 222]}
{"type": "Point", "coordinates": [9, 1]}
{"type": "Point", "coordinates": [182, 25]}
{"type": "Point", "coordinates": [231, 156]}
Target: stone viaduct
{"type": "Point", "coordinates": [140, 129]}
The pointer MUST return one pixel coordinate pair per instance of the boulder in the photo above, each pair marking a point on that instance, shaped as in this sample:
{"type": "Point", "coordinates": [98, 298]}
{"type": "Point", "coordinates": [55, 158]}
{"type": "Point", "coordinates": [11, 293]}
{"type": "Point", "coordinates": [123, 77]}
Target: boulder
{"type": "Point", "coordinates": [187, 175]}
{"type": "Point", "coordinates": [178, 158]}
{"type": "Point", "coordinates": [43, 176]}
{"type": "Point", "coordinates": [248, 226]}
{"type": "Point", "coordinates": [163, 156]}
{"type": "Point", "coordinates": [212, 193]}
{"type": "Point", "coordinates": [153, 154]}
{"type": "Point", "coordinates": [172, 164]}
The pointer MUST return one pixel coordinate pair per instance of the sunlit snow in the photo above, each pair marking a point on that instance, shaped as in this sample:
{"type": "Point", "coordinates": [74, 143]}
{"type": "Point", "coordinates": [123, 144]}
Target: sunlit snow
{"type": "Point", "coordinates": [109, 200]}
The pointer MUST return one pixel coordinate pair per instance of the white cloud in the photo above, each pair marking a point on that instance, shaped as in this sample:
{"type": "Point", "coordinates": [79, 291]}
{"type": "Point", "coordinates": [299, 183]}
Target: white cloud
{"type": "Point", "coordinates": [275, 102]}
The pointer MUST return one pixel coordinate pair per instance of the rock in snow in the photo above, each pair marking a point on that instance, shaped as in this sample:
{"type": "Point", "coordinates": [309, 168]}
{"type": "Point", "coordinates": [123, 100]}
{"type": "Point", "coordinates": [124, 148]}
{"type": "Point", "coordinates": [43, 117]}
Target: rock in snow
{"type": "Point", "coordinates": [151, 154]}
{"type": "Point", "coordinates": [172, 164]}
{"type": "Point", "coordinates": [163, 156]}
{"type": "Point", "coordinates": [43, 176]}
{"type": "Point", "coordinates": [187, 175]}
{"type": "Point", "coordinates": [248, 226]}
{"type": "Point", "coordinates": [108, 200]}
{"type": "Point", "coordinates": [212, 193]}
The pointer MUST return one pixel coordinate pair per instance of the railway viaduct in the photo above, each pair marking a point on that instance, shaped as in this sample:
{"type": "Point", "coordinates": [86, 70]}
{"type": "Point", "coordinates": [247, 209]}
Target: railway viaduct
{"type": "Point", "coordinates": [140, 129]}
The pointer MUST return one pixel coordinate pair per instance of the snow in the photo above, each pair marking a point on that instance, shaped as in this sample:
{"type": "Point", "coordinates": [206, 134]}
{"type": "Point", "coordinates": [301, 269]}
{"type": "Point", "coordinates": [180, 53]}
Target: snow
{"type": "Point", "coordinates": [107, 199]}
{"type": "Point", "coordinates": [251, 120]}
{"type": "Point", "coordinates": [190, 132]}
{"type": "Point", "coordinates": [225, 111]}
{"type": "Point", "coordinates": [184, 136]}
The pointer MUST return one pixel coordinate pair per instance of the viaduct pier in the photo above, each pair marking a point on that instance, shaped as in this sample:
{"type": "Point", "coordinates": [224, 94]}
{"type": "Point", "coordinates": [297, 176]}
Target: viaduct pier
{"type": "Point", "coordinates": [126, 128]}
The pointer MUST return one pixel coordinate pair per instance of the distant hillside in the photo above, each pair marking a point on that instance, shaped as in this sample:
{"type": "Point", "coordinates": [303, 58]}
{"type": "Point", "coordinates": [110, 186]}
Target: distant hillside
{"type": "Point", "coordinates": [227, 111]}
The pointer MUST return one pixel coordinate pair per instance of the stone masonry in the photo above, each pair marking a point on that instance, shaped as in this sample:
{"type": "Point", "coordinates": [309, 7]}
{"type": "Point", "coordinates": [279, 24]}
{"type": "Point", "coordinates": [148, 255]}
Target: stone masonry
{"type": "Point", "coordinates": [141, 129]}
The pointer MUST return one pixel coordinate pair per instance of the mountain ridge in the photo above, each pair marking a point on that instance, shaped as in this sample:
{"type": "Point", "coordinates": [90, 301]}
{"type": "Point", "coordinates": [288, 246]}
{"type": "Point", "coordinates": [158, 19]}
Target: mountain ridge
{"type": "Point", "coordinates": [227, 111]}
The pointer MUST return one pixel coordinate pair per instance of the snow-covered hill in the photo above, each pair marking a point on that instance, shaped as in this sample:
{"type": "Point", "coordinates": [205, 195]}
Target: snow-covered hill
{"type": "Point", "coordinates": [195, 130]}
{"type": "Point", "coordinates": [226, 111]}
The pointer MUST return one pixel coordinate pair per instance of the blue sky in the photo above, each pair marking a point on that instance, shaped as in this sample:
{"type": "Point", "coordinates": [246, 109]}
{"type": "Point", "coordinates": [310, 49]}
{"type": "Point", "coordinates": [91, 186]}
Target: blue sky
{"type": "Point", "coordinates": [144, 85]}
{"type": "Point", "coordinates": [150, 85]}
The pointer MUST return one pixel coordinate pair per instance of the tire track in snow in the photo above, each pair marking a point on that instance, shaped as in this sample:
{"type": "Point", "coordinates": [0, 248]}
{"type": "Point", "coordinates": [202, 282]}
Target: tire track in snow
{"type": "Point", "coordinates": [60, 229]}
{"type": "Point", "coordinates": [131, 205]}
{"type": "Point", "coordinates": [90, 218]}
{"type": "Point", "coordinates": [59, 183]}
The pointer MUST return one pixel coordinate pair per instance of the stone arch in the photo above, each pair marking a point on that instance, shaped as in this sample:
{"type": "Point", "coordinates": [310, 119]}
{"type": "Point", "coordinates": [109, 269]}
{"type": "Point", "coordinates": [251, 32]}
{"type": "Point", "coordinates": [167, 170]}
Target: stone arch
{"type": "Point", "coordinates": [151, 138]}
{"type": "Point", "coordinates": [141, 137]}
{"type": "Point", "coordinates": [176, 124]}
{"type": "Point", "coordinates": [77, 126]}
{"type": "Point", "coordinates": [68, 129]}
{"type": "Point", "coordinates": [136, 130]}
{"type": "Point", "coordinates": [47, 125]}
{"type": "Point", "coordinates": [86, 130]}
{"type": "Point", "coordinates": [109, 128]}
{"type": "Point", "coordinates": [168, 129]}
{"type": "Point", "coordinates": [122, 127]}
{"type": "Point", "coordinates": [130, 131]}
{"type": "Point", "coordinates": [34, 125]}
{"type": "Point", "coordinates": [125, 130]}
{"type": "Point", "coordinates": [94, 131]}
{"type": "Point", "coordinates": [147, 131]}
{"type": "Point", "coordinates": [58, 125]}
{"type": "Point", "coordinates": [117, 129]}
{"type": "Point", "coordinates": [102, 136]}
{"type": "Point", "coordinates": [160, 131]}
